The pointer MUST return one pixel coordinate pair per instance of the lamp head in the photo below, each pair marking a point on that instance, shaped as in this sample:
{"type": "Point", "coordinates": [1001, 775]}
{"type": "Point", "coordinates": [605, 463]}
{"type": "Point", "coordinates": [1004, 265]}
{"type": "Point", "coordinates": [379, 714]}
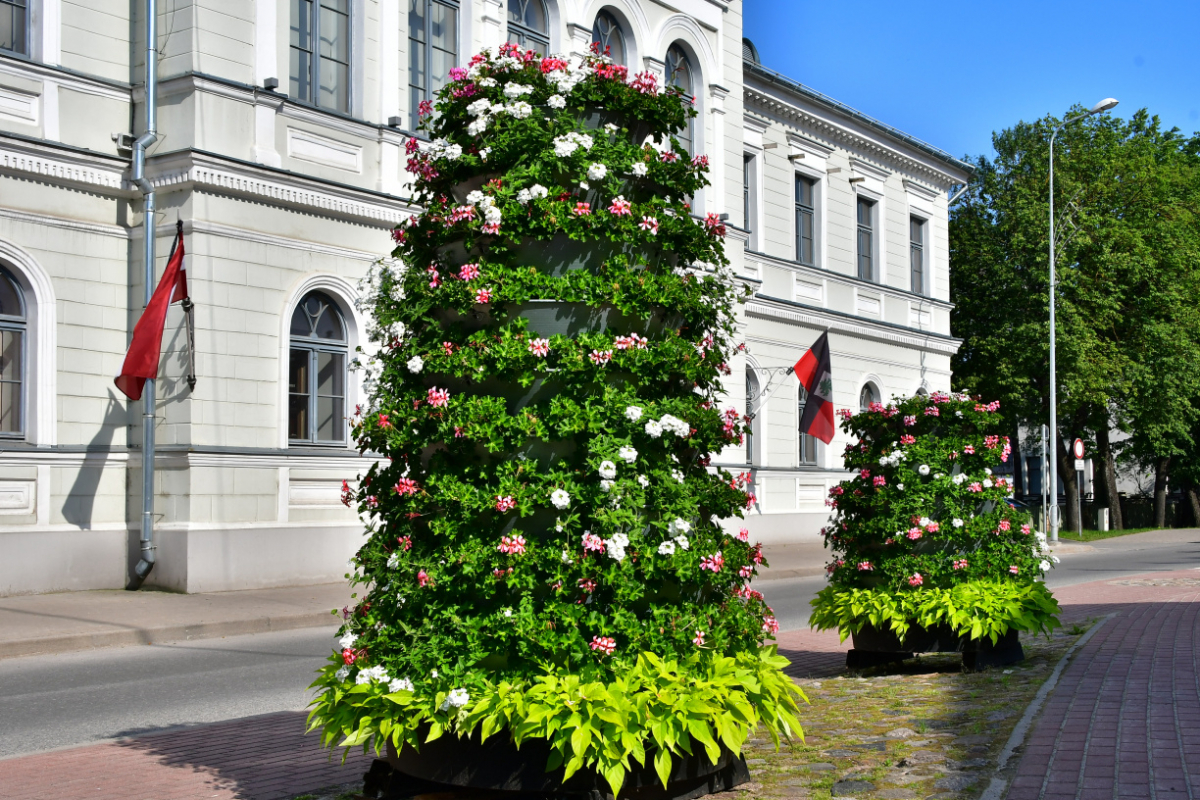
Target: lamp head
{"type": "Point", "coordinates": [1104, 105]}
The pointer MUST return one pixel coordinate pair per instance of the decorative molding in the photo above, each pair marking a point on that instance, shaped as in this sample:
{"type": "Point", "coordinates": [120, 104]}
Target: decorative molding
{"type": "Point", "coordinates": [31, 70]}
{"type": "Point", "coordinates": [314, 494]}
{"type": "Point", "coordinates": [755, 98]}
{"type": "Point", "coordinates": [18, 106]}
{"type": "Point", "coordinates": [923, 192]}
{"type": "Point", "coordinates": [307, 146]}
{"type": "Point", "coordinates": [17, 497]}
{"type": "Point", "coordinates": [200, 170]}
{"type": "Point", "coordinates": [116, 231]}
{"type": "Point", "coordinates": [271, 240]}
{"type": "Point", "coordinates": [868, 169]}
{"type": "Point", "coordinates": [50, 163]}
{"type": "Point", "coordinates": [183, 459]}
{"type": "Point", "coordinates": [53, 457]}
{"type": "Point", "coordinates": [863, 330]}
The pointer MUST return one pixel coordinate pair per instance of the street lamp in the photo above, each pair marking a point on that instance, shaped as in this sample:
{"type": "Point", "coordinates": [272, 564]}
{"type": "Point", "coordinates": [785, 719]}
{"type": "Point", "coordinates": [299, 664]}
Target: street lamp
{"type": "Point", "coordinates": [1103, 105]}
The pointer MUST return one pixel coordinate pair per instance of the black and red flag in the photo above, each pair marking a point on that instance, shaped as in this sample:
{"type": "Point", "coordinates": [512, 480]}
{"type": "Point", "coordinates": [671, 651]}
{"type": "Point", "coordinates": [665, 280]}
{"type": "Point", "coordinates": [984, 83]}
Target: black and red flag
{"type": "Point", "coordinates": [141, 362]}
{"type": "Point", "coordinates": [816, 377]}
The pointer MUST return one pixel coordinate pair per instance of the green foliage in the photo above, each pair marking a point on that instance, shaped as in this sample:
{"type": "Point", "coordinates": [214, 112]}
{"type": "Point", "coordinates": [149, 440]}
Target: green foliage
{"type": "Point", "coordinates": [546, 512]}
{"type": "Point", "coordinates": [924, 530]}
{"type": "Point", "coordinates": [658, 709]}
{"type": "Point", "coordinates": [975, 609]}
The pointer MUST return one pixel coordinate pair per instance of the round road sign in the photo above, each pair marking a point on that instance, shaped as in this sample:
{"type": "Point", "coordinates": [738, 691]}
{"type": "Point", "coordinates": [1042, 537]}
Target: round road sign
{"type": "Point", "coordinates": [1079, 448]}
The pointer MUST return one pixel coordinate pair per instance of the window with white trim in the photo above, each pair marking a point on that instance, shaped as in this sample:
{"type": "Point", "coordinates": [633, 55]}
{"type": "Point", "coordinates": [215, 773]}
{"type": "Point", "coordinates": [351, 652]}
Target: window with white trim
{"type": "Point", "coordinates": [319, 53]}
{"type": "Point", "coordinates": [606, 32]}
{"type": "Point", "coordinates": [679, 74]}
{"type": "Point", "coordinates": [806, 220]}
{"type": "Point", "coordinates": [751, 394]}
{"type": "Point", "coordinates": [807, 451]}
{"type": "Point", "coordinates": [528, 25]}
{"type": "Point", "coordinates": [432, 51]}
{"type": "Point", "coordinates": [317, 375]}
{"type": "Point", "coordinates": [916, 253]}
{"type": "Point", "coordinates": [866, 239]}
{"type": "Point", "coordinates": [14, 27]}
{"type": "Point", "coordinates": [868, 395]}
{"type": "Point", "coordinates": [12, 357]}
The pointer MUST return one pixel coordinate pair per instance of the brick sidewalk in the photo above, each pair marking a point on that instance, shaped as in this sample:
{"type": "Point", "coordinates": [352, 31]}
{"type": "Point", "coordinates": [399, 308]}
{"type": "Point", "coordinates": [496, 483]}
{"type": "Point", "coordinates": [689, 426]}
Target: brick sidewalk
{"type": "Point", "coordinates": [1124, 721]}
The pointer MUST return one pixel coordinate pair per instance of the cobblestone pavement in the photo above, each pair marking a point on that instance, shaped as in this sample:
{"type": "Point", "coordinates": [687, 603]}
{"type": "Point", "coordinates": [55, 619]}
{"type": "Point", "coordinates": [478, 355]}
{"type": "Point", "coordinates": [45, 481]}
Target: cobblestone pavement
{"type": "Point", "coordinates": [1124, 718]}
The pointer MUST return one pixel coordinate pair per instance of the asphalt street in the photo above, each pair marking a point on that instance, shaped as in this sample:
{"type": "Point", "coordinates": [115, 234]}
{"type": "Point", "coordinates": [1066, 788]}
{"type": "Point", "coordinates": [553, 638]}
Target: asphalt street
{"type": "Point", "coordinates": [79, 698]}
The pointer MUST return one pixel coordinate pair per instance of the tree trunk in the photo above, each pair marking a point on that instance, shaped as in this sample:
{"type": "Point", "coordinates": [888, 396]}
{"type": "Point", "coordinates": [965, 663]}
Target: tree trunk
{"type": "Point", "coordinates": [1194, 496]}
{"type": "Point", "coordinates": [1018, 462]}
{"type": "Point", "coordinates": [1066, 474]}
{"type": "Point", "coordinates": [1108, 472]}
{"type": "Point", "coordinates": [1160, 491]}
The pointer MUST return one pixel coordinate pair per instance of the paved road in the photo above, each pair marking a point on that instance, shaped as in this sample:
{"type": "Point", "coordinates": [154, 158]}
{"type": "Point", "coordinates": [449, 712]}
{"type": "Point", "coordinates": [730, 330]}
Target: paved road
{"type": "Point", "coordinates": [1156, 551]}
{"type": "Point", "coordinates": [90, 696]}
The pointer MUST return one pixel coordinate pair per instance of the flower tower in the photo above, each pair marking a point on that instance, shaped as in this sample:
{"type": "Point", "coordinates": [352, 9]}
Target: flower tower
{"type": "Point", "coordinates": [928, 553]}
{"type": "Point", "coordinates": [545, 560]}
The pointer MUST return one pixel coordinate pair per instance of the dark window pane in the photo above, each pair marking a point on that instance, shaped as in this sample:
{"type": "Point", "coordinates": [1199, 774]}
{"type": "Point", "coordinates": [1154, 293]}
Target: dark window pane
{"type": "Point", "coordinates": [331, 374]}
{"type": "Point", "coordinates": [10, 407]}
{"type": "Point", "coordinates": [10, 297]}
{"type": "Point", "coordinates": [608, 34]}
{"type": "Point", "coordinates": [14, 32]}
{"type": "Point", "coordinates": [10, 355]}
{"type": "Point", "coordinates": [298, 393]}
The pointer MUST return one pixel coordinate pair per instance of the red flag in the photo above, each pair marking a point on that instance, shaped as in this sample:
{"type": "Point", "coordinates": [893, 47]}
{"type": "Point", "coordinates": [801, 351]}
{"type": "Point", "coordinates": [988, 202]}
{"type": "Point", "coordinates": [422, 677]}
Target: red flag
{"type": "Point", "coordinates": [141, 362]}
{"type": "Point", "coordinates": [815, 376]}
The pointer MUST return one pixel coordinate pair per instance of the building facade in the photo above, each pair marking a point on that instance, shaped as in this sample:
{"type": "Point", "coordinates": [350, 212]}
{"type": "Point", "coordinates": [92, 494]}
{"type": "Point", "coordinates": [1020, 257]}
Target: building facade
{"type": "Point", "coordinates": [281, 130]}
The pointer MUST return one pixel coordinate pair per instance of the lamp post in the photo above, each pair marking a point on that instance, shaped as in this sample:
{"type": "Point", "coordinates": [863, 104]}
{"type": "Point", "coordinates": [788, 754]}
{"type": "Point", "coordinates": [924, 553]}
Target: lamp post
{"type": "Point", "coordinates": [1103, 105]}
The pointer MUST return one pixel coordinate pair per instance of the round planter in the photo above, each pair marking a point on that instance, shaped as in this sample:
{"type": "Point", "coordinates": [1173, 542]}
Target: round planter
{"type": "Point", "coordinates": [559, 254]}
{"type": "Point", "coordinates": [548, 318]}
{"type": "Point", "coordinates": [498, 765]}
{"type": "Point", "coordinates": [874, 646]}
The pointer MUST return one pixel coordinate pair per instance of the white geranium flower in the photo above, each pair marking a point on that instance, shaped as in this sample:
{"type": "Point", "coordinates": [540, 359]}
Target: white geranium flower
{"type": "Point", "coordinates": [566, 557]}
{"type": "Point", "coordinates": [633, 413]}
{"type": "Point", "coordinates": [348, 640]}
{"type": "Point", "coordinates": [654, 429]}
{"type": "Point", "coordinates": [597, 171]}
{"type": "Point", "coordinates": [900, 487]}
{"type": "Point", "coordinates": [393, 561]}
{"type": "Point", "coordinates": [584, 185]}
{"type": "Point", "coordinates": [960, 478]}
{"type": "Point", "coordinates": [1055, 559]}
{"type": "Point", "coordinates": [456, 699]}
{"type": "Point", "coordinates": [628, 454]}
{"type": "Point", "coordinates": [479, 107]}
{"type": "Point", "coordinates": [987, 470]}
{"type": "Point", "coordinates": [679, 525]}
{"type": "Point", "coordinates": [643, 480]}
{"type": "Point", "coordinates": [1044, 565]}
{"type": "Point", "coordinates": [474, 197]}
{"type": "Point", "coordinates": [608, 470]}
{"type": "Point", "coordinates": [415, 364]}
{"type": "Point", "coordinates": [676, 426]}
{"type": "Point", "coordinates": [486, 83]}
{"type": "Point", "coordinates": [923, 469]}
{"type": "Point", "coordinates": [667, 548]}
{"type": "Point", "coordinates": [519, 109]}
{"type": "Point", "coordinates": [515, 90]}
{"type": "Point", "coordinates": [925, 521]}
{"type": "Point", "coordinates": [400, 685]}
{"type": "Point", "coordinates": [606, 485]}
{"type": "Point", "coordinates": [479, 125]}
{"type": "Point", "coordinates": [537, 191]}
{"type": "Point", "coordinates": [433, 673]}
{"type": "Point", "coordinates": [556, 101]}
{"type": "Point", "coordinates": [560, 498]}
{"type": "Point", "coordinates": [484, 153]}
{"type": "Point", "coordinates": [523, 197]}
{"type": "Point", "coordinates": [507, 612]}
{"type": "Point", "coordinates": [677, 475]}
{"type": "Point", "coordinates": [342, 673]}
{"type": "Point", "coordinates": [987, 483]}
{"type": "Point", "coordinates": [682, 541]}
{"type": "Point", "coordinates": [956, 522]}
{"type": "Point", "coordinates": [638, 168]}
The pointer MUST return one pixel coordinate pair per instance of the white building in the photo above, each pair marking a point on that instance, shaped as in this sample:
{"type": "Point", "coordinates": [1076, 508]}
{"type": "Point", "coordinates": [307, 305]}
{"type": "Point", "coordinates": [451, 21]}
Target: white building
{"type": "Point", "coordinates": [283, 157]}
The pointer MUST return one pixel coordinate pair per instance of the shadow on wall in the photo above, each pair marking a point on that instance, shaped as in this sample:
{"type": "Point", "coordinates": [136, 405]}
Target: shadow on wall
{"type": "Point", "coordinates": [81, 499]}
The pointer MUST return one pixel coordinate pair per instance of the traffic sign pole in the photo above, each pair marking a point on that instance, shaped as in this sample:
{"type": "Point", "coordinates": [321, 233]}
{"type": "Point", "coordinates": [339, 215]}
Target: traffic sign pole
{"type": "Point", "coordinates": [1078, 448]}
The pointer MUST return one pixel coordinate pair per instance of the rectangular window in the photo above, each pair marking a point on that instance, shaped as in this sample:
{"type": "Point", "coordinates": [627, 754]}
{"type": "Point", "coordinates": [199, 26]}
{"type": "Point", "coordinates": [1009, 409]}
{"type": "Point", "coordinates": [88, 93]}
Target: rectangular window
{"type": "Point", "coordinates": [805, 220]}
{"type": "Point", "coordinates": [807, 455]}
{"type": "Point", "coordinates": [747, 168]}
{"type": "Point", "coordinates": [432, 51]}
{"type": "Point", "coordinates": [866, 239]}
{"type": "Point", "coordinates": [319, 53]}
{"type": "Point", "coordinates": [14, 26]}
{"type": "Point", "coordinates": [316, 395]}
{"type": "Point", "coordinates": [916, 250]}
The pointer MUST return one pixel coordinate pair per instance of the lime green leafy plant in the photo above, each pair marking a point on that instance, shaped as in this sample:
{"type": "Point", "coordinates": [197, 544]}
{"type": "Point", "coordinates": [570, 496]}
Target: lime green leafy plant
{"type": "Point", "coordinates": [923, 534]}
{"type": "Point", "coordinates": [546, 516]}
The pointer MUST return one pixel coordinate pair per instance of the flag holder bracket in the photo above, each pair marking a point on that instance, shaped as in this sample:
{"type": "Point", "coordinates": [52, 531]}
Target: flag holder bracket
{"type": "Point", "coordinates": [775, 377]}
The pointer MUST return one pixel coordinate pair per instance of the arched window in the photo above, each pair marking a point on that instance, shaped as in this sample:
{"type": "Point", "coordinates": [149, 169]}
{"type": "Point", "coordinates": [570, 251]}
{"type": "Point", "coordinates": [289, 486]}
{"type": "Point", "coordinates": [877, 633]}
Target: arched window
{"type": "Point", "coordinates": [868, 395]}
{"type": "Point", "coordinates": [317, 372]}
{"type": "Point", "coordinates": [807, 451]}
{"type": "Point", "coordinates": [680, 74]}
{"type": "Point", "coordinates": [528, 25]}
{"type": "Point", "coordinates": [12, 357]}
{"type": "Point", "coordinates": [606, 32]}
{"type": "Point", "coordinates": [751, 395]}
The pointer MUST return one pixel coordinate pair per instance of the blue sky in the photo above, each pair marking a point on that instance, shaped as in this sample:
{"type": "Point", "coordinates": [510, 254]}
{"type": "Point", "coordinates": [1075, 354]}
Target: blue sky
{"type": "Point", "coordinates": [952, 72]}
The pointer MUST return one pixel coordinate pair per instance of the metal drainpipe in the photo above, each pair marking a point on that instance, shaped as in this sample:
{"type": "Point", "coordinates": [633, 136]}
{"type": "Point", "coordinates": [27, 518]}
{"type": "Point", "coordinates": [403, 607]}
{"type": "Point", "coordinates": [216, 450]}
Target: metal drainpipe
{"type": "Point", "coordinates": [148, 138]}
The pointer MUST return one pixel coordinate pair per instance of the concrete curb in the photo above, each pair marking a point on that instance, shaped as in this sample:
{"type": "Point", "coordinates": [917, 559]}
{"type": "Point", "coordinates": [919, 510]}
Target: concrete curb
{"type": "Point", "coordinates": [69, 643]}
{"type": "Point", "coordinates": [998, 784]}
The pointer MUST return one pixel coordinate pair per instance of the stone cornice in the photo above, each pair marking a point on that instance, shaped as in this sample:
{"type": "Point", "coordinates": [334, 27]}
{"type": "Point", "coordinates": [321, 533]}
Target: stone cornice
{"type": "Point", "coordinates": [58, 164]}
{"type": "Point", "coordinates": [783, 311]}
{"type": "Point", "coordinates": [206, 171]}
{"type": "Point", "coordinates": [826, 128]}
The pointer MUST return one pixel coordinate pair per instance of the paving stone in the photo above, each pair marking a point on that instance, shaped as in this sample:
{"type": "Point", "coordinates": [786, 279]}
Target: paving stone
{"type": "Point", "coordinates": [964, 741]}
{"type": "Point", "coordinates": [841, 753]}
{"type": "Point", "coordinates": [903, 777]}
{"type": "Point", "coordinates": [753, 761]}
{"type": "Point", "coordinates": [918, 742]}
{"type": "Point", "coordinates": [901, 733]}
{"type": "Point", "coordinates": [997, 716]}
{"type": "Point", "coordinates": [896, 794]}
{"type": "Point", "coordinates": [921, 757]}
{"type": "Point", "coordinates": [956, 782]}
{"type": "Point", "coordinates": [820, 766]}
{"type": "Point", "coordinates": [852, 787]}
{"type": "Point", "coordinates": [970, 763]}
{"type": "Point", "coordinates": [878, 747]}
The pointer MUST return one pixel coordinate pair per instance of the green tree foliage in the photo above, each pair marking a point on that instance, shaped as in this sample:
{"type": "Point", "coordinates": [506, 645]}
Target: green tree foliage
{"type": "Point", "coordinates": [1128, 294]}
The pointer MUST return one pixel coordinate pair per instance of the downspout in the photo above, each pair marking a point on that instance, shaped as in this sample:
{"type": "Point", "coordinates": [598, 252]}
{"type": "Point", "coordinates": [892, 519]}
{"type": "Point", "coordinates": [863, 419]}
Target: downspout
{"type": "Point", "coordinates": [148, 138]}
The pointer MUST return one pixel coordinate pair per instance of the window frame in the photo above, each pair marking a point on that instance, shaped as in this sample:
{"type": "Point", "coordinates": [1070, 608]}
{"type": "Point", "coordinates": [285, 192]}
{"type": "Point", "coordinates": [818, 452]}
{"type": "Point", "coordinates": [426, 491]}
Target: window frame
{"type": "Point", "coordinates": [527, 33]}
{"type": "Point", "coordinates": [865, 229]}
{"type": "Point", "coordinates": [805, 441]}
{"type": "Point", "coordinates": [19, 325]}
{"type": "Point", "coordinates": [313, 346]}
{"type": "Point", "coordinates": [620, 31]}
{"type": "Point", "coordinates": [917, 263]}
{"type": "Point", "coordinates": [874, 396]}
{"type": "Point", "coordinates": [316, 57]}
{"type": "Point", "coordinates": [689, 91]}
{"type": "Point", "coordinates": [809, 210]}
{"type": "Point", "coordinates": [11, 6]}
{"type": "Point", "coordinates": [427, 92]}
{"type": "Point", "coordinates": [753, 389]}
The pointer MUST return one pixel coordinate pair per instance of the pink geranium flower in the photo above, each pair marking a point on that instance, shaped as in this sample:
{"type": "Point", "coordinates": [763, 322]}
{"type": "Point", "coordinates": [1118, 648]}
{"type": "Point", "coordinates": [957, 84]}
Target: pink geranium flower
{"type": "Point", "coordinates": [406, 486]}
{"type": "Point", "coordinates": [505, 503]}
{"type": "Point", "coordinates": [422, 578]}
{"type": "Point", "coordinates": [916, 579]}
{"type": "Point", "coordinates": [649, 224]}
{"type": "Point", "coordinates": [540, 347]}
{"type": "Point", "coordinates": [604, 644]}
{"type": "Point", "coordinates": [438, 397]}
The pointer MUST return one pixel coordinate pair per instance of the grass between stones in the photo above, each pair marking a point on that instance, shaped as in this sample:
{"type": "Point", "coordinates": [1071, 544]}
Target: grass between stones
{"type": "Point", "coordinates": [920, 729]}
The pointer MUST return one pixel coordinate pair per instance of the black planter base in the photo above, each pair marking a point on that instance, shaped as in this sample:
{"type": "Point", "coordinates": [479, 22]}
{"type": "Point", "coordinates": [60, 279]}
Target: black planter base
{"type": "Point", "coordinates": [497, 770]}
{"type": "Point", "coordinates": [874, 647]}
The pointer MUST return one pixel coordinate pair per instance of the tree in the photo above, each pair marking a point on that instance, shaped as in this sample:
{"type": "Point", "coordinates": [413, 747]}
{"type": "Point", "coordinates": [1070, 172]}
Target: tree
{"type": "Point", "coordinates": [1126, 297]}
{"type": "Point", "coordinates": [546, 559]}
